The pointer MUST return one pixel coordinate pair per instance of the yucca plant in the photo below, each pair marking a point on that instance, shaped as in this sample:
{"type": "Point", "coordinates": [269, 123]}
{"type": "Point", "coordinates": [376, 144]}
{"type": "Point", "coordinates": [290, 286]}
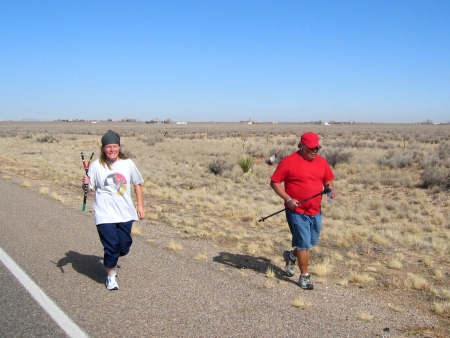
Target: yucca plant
{"type": "Point", "coordinates": [246, 164]}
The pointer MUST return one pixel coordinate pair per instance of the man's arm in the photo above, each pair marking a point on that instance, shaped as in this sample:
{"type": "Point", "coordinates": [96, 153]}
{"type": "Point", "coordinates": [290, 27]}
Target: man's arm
{"type": "Point", "coordinates": [279, 189]}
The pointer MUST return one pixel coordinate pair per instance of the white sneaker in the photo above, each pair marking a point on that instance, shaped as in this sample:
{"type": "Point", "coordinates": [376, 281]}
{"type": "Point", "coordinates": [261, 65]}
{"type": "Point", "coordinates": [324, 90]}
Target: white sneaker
{"type": "Point", "coordinates": [111, 283]}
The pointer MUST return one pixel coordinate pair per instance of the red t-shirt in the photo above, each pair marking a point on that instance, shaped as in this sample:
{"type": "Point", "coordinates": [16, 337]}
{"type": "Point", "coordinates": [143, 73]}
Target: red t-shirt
{"type": "Point", "coordinates": [303, 179]}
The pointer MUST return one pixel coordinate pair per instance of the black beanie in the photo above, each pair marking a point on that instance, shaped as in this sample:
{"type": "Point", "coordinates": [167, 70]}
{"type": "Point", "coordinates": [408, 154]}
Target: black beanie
{"type": "Point", "coordinates": [111, 137]}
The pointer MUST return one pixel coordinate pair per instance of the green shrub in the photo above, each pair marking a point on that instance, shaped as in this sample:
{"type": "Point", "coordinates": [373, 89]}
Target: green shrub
{"type": "Point", "coordinates": [246, 164]}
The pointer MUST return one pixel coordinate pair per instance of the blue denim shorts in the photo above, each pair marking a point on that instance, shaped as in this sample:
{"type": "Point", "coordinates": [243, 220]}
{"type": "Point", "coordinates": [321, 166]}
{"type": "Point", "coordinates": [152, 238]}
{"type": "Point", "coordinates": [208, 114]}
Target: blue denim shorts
{"type": "Point", "coordinates": [305, 229]}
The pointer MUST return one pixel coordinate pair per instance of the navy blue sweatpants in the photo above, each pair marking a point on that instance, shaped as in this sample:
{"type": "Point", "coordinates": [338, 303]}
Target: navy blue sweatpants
{"type": "Point", "coordinates": [116, 240]}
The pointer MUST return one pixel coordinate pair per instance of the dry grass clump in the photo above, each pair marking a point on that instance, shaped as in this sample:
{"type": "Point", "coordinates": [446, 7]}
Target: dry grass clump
{"type": "Point", "coordinates": [343, 282]}
{"type": "Point", "coordinates": [416, 282]}
{"type": "Point", "coordinates": [56, 197]}
{"type": "Point", "coordinates": [269, 284]}
{"type": "Point", "coordinates": [44, 191]}
{"type": "Point", "coordinates": [438, 274]}
{"type": "Point", "coordinates": [365, 317]}
{"type": "Point", "coordinates": [352, 255]}
{"type": "Point", "coordinates": [395, 264]}
{"type": "Point", "coordinates": [442, 308]}
{"type": "Point", "coordinates": [151, 216]}
{"type": "Point", "coordinates": [445, 294]}
{"type": "Point", "coordinates": [301, 303]}
{"type": "Point", "coordinates": [136, 230]}
{"type": "Point", "coordinates": [174, 246]}
{"type": "Point", "coordinates": [321, 269]}
{"type": "Point", "coordinates": [270, 273]}
{"type": "Point", "coordinates": [201, 257]}
{"type": "Point", "coordinates": [360, 278]}
{"type": "Point", "coordinates": [427, 261]}
{"type": "Point", "coordinates": [395, 308]}
{"type": "Point", "coordinates": [335, 257]}
{"type": "Point", "coordinates": [252, 248]}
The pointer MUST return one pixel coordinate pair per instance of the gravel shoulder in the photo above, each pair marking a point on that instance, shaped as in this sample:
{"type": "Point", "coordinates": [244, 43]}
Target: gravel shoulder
{"type": "Point", "coordinates": [166, 293]}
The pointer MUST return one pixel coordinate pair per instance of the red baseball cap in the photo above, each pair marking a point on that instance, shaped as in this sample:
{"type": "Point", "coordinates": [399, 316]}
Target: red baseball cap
{"type": "Point", "coordinates": [310, 140]}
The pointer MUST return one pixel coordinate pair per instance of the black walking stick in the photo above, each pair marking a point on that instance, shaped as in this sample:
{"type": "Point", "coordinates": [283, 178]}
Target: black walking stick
{"type": "Point", "coordinates": [325, 191]}
{"type": "Point", "coordinates": [86, 168]}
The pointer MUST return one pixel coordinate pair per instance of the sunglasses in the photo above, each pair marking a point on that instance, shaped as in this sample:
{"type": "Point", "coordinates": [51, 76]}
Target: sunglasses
{"type": "Point", "coordinates": [313, 149]}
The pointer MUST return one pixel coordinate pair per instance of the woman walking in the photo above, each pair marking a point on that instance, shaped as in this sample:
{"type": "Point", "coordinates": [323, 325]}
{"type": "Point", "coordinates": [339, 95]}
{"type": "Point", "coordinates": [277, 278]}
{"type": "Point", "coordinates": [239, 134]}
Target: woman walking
{"type": "Point", "coordinates": [111, 177]}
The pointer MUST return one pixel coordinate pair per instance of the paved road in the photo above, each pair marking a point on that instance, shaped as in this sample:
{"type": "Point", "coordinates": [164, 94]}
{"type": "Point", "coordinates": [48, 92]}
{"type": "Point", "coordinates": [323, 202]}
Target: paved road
{"type": "Point", "coordinates": [164, 293]}
{"type": "Point", "coordinates": [20, 315]}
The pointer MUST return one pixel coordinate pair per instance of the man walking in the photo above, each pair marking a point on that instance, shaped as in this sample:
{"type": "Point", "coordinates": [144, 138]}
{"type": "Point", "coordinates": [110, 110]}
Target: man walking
{"type": "Point", "coordinates": [304, 174]}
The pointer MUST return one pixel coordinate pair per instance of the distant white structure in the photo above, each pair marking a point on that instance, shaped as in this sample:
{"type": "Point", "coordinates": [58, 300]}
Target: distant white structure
{"type": "Point", "coordinates": [326, 123]}
{"type": "Point", "coordinates": [181, 122]}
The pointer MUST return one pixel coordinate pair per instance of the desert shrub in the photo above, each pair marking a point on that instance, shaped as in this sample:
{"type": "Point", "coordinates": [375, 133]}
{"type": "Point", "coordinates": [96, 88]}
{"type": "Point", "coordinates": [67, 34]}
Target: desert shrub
{"type": "Point", "coordinates": [8, 133]}
{"type": "Point", "coordinates": [335, 156]}
{"type": "Point", "coordinates": [27, 135]}
{"type": "Point", "coordinates": [256, 150]}
{"type": "Point", "coordinates": [436, 176]}
{"type": "Point", "coordinates": [427, 159]}
{"type": "Point", "coordinates": [397, 158]}
{"type": "Point", "coordinates": [444, 150]}
{"type": "Point", "coordinates": [280, 153]}
{"type": "Point", "coordinates": [47, 139]}
{"type": "Point", "coordinates": [128, 153]}
{"type": "Point", "coordinates": [152, 140]}
{"type": "Point", "coordinates": [217, 167]}
{"type": "Point", "coordinates": [288, 142]}
{"type": "Point", "coordinates": [436, 168]}
{"type": "Point", "coordinates": [397, 179]}
{"type": "Point", "coordinates": [354, 144]}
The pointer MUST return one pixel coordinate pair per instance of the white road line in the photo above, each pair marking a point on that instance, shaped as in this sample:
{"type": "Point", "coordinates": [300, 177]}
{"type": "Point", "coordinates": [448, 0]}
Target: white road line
{"type": "Point", "coordinates": [46, 303]}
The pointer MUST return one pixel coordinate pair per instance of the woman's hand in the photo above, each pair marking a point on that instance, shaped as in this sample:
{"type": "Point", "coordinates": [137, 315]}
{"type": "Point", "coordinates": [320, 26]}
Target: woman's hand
{"type": "Point", "coordinates": [86, 180]}
{"type": "Point", "coordinates": [141, 213]}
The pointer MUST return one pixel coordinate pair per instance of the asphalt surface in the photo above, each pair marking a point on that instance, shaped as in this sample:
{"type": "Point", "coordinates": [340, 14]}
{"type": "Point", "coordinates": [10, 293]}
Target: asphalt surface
{"type": "Point", "coordinates": [20, 315]}
{"type": "Point", "coordinates": [165, 293]}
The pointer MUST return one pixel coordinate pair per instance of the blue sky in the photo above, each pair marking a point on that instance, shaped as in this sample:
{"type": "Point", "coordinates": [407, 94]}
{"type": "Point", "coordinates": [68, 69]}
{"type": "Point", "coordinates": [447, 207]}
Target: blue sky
{"type": "Point", "coordinates": [225, 61]}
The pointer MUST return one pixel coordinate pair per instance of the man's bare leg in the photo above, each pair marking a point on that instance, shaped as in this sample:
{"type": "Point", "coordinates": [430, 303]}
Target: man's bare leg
{"type": "Point", "coordinates": [303, 260]}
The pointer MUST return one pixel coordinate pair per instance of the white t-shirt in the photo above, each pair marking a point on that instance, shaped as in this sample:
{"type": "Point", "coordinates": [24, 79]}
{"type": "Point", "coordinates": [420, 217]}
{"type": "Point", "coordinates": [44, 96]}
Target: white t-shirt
{"type": "Point", "coordinates": [112, 202]}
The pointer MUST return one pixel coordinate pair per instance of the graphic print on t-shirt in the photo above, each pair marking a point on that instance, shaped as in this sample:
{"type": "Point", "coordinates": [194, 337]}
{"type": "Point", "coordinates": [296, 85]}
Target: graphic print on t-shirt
{"type": "Point", "coordinates": [116, 184]}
